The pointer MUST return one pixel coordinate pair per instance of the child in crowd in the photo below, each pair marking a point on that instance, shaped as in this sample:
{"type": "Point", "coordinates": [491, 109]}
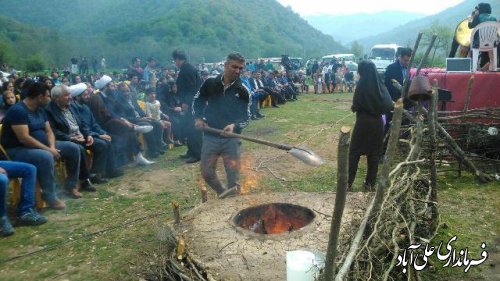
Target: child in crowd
{"type": "Point", "coordinates": [153, 111]}
{"type": "Point", "coordinates": [319, 82]}
{"type": "Point", "coordinates": [9, 99]}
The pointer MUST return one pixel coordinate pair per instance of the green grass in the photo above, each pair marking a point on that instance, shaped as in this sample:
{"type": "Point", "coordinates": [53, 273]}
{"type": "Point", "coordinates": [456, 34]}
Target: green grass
{"type": "Point", "coordinates": [111, 235]}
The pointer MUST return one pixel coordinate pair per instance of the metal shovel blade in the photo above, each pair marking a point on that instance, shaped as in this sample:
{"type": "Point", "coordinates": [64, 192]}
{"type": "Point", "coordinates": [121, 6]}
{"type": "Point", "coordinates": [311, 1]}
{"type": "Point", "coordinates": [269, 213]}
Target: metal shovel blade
{"type": "Point", "coordinates": [306, 156]}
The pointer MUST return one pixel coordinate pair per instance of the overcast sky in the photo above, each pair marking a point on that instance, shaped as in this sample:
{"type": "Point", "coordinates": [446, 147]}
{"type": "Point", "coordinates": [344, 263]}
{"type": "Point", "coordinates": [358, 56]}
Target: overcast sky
{"type": "Point", "coordinates": [345, 7]}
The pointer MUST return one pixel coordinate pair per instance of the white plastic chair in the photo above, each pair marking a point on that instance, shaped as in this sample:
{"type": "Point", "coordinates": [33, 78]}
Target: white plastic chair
{"type": "Point", "coordinates": [488, 36]}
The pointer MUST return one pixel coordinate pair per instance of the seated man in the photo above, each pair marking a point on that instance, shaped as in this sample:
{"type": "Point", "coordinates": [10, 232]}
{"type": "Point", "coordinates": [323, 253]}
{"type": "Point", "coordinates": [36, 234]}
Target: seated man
{"type": "Point", "coordinates": [104, 164]}
{"type": "Point", "coordinates": [272, 86]}
{"type": "Point", "coordinates": [67, 126]}
{"type": "Point", "coordinates": [26, 213]}
{"type": "Point", "coordinates": [122, 131]}
{"type": "Point", "coordinates": [128, 108]}
{"type": "Point", "coordinates": [28, 137]}
{"type": "Point", "coordinates": [286, 87]}
{"type": "Point", "coordinates": [256, 95]}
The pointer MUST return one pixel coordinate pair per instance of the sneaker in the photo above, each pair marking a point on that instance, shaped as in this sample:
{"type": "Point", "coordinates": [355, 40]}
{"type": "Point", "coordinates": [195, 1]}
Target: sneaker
{"type": "Point", "coordinates": [6, 228]}
{"type": "Point", "coordinates": [140, 160]}
{"type": "Point", "coordinates": [233, 191]}
{"type": "Point", "coordinates": [87, 185]}
{"type": "Point", "coordinates": [32, 217]}
{"type": "Point", "coordinates": [97, 179]}
{"type": "Point", "coordinates": [56, 205]}
{"type": "Point", "coordinates": [143, 129]}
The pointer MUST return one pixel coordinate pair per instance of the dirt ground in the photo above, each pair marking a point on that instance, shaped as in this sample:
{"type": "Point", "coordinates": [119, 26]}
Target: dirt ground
{"type": "Point", "coordinates": [229, 252]}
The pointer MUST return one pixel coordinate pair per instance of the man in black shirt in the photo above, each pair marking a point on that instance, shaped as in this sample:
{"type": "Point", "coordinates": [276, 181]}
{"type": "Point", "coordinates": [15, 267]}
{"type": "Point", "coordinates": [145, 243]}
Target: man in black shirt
{"type": "Point", "coordinates": [188, 83]}
{"type": "Point", "coordinates": [223, 103]}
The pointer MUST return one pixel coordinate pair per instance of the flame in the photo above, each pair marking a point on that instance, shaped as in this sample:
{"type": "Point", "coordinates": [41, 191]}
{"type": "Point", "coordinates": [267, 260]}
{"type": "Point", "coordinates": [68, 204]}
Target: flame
{"type": "Point", "coordinates": [250, 176]}
{"type": "Point", "coordinates": [272, 220]}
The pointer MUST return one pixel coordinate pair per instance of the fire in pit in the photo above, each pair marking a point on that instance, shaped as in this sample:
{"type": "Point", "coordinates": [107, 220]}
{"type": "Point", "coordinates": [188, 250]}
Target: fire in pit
{"type": "Point", "coordinates": [274, 218]}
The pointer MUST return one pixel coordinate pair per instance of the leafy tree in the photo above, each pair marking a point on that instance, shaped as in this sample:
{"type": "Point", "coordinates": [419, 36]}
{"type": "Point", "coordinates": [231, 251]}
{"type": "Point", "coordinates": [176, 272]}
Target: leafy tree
{"type": "Point", "coordinates": [357, 49]}
{"type": "Point", "coordinates": [35, 63]}
{"type": "Point", "coordinates": [442, 43]}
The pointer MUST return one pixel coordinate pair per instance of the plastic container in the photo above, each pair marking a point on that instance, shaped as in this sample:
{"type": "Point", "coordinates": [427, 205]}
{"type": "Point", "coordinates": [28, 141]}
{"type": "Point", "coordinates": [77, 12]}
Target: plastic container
{"type": "Point", "coordinates": [303, 265]}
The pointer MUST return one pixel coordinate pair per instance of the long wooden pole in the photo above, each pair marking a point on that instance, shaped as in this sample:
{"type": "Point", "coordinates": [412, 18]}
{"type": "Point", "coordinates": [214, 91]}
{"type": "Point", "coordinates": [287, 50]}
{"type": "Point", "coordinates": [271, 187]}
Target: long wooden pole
{"type": "Point", "coordinates": [392, 144]}
{"type": "Point", "coordinates": [432, 119]}
{"type": "Point", "coordinates": [433, 39]}
{"type": "Point", "coordinates": [234, 135]}
{"type": "Point", "coordinates": [340, 198]}
{"type": "Point", "coordinates": [468, 95]}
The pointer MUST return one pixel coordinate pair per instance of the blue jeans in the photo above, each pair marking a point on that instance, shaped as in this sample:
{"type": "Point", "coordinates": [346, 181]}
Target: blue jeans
{"type": "Point", "coordinates": [27, 173]}
{"type": "Point", "coordinates": [44, 163]}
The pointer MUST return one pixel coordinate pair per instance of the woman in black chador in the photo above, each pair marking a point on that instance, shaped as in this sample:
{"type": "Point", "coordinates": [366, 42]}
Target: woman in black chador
{"type": "Point", "coordinates": [371, 100]}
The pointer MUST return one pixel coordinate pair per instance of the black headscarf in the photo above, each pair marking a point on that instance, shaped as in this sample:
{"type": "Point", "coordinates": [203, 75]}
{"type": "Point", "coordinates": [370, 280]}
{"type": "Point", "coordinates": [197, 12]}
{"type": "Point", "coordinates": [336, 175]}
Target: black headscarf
{"type": "Point", "coordinates": [371, 95]}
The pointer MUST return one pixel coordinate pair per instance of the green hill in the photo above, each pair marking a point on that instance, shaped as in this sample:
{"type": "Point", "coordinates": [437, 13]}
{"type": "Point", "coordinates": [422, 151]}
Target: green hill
{"type": "Point", "coordinates": [22, 45]}
{"type": "Point", "coordinates": [449, 18]}
{"type": "Point", "coordinates": [347, 28]}
{"type": "Point", "coordinates": [206, 29]}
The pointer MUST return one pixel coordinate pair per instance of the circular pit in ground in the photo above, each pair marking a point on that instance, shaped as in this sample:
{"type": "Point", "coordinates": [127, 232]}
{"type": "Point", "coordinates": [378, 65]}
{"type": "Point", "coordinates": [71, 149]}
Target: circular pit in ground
{"type": "Point", "coordinates": [274, 218]}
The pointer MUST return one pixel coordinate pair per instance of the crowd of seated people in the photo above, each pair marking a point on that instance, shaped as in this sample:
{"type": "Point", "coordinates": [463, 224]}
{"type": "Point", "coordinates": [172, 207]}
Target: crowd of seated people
{"type": "Point", "coordinates": [331, 77]}
{"type": "Point", "coordinates": [96, 124]}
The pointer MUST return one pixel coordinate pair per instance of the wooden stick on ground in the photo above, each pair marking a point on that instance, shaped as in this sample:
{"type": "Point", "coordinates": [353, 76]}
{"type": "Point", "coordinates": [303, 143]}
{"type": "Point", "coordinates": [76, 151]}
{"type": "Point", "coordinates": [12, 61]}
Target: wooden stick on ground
{"type": "Point", "coordinates": [340, 198]}
{"type": "Point", "coordinates": [177, 216]}
{"type": "Point", "coordinates": [204, 194]}
{"type": "Point", "coordinates": [457, 151]}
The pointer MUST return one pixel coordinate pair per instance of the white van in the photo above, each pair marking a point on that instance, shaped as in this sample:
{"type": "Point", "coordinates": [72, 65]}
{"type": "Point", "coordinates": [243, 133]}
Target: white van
{"type": "Point", "coordinates": [383, 54]}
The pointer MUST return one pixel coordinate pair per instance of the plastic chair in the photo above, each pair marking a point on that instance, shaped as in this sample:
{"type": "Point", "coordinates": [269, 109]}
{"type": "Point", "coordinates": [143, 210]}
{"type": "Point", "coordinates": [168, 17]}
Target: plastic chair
{"type": "Point", "coordinates": [15, 184]}
{"type": "Point", "coordinates": [267, 102]}
{"type": "Point", "coordinates": [488, 37]}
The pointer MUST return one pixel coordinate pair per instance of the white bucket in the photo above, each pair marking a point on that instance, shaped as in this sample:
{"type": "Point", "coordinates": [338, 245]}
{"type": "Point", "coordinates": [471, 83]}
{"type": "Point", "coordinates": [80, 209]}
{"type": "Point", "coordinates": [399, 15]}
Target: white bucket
{"type": "Point", "coordinates": [303, 265]}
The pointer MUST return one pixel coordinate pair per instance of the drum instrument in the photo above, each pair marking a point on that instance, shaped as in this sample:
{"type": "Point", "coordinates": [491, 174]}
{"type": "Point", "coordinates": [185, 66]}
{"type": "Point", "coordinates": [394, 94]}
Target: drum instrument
{"type": "Point", "coordinates": [462, 36]}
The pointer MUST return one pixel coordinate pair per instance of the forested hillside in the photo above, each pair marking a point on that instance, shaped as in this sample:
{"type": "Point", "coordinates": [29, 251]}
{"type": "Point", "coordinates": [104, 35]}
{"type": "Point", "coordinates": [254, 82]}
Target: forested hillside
{"type": "Point", "coordinates": [121, 29]}
{"type": "Point", "coordinates": [347, 28]}
{"type": "Point", "coordinates": [447, 19]}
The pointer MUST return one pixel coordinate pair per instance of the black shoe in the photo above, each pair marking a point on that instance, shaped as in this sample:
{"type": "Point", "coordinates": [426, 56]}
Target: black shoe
{"type": "Point", "coordinates": [254, 117]}
{"type": "Point", "coordinates": [178, 143]}
{"type": "Point", "coordinates": [276, 106]}
{"type": "Point", "coordinates": [86, 185]}
{"type": "Point", "coordinates": [259, 115]}
{"type": "Point", "coordinates": [191, 160]}
{"type": "Point", "coordinates": [97, 179]}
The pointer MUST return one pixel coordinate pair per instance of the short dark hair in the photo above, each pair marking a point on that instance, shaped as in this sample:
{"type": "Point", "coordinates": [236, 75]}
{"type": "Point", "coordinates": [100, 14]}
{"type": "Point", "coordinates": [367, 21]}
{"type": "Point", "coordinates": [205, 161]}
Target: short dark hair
{"type": "Point", "coordinates": [37, 89]}
{"type": "Point", "coordinates": [405, 52]}
{"type": "Point", "coordinates": [484, 8]}
{"type": "Point", "coordinates": [179, 55]}
{"type": "Point", "coordinates": [236, 57]}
